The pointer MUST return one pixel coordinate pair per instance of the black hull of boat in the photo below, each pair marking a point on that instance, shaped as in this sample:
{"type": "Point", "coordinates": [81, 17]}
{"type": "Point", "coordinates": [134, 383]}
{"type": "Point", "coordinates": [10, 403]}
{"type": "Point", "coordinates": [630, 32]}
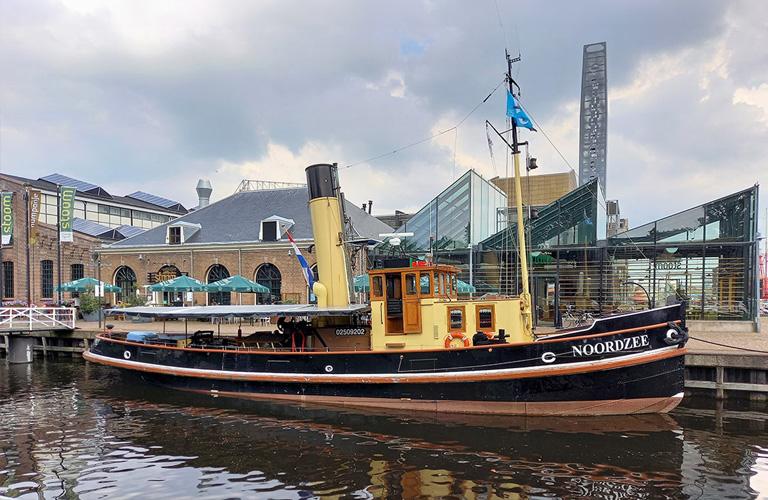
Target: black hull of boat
{"type": "Point", "coordinates": [620, 365]}
{"type": "Point", "coordinates": [649, 388]}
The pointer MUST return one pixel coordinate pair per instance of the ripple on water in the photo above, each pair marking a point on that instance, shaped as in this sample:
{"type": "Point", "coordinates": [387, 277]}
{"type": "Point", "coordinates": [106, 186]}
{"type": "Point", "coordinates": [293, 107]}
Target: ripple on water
{"type": "Point", "coordinates": [95, 437]}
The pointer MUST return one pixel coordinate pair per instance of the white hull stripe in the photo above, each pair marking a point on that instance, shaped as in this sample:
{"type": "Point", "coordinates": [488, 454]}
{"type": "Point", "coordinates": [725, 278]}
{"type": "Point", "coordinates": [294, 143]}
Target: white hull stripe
{"type": "Point", "coordinates": [583, 366]}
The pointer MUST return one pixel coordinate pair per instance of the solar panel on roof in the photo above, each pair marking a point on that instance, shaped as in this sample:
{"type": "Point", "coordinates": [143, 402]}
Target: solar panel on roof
{"type": "Point", "coordinates": [129, 231]}
{"type": "Point", "coordinates": [88, 227]}
{"type": "Point", "coordinates": [63, 180]}
{"type": "Point", "coordinates": [153, 199]}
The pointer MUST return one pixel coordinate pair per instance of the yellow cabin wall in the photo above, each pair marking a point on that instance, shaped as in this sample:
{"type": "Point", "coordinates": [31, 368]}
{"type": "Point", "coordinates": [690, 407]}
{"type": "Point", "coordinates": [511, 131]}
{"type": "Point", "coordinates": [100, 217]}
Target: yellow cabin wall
{"type": "Point", "coordinates": [434, 323]}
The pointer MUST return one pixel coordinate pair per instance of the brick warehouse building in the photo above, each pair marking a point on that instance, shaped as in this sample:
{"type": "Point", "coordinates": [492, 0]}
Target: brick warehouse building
{"type": "Point", "coordinates": [235, 235]}
{"type": "Point", "coordinates": [30, 271]}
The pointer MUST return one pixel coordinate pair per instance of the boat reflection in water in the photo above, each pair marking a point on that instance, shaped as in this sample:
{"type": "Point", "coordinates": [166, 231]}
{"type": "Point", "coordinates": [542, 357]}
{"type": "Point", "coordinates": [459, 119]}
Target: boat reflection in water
{"type": "Point", "coordinates": [410, 455]}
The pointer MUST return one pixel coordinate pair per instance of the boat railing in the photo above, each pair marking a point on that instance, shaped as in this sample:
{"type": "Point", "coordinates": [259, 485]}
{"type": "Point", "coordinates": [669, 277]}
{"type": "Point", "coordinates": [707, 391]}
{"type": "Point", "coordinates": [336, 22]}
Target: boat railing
{"type": "Point", "coordinates": [235, 348]}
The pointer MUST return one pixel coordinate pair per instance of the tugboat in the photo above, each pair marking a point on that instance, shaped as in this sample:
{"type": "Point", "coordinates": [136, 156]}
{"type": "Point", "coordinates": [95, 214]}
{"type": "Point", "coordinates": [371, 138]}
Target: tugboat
{"type": "Point", "coordinates": [416, 345]}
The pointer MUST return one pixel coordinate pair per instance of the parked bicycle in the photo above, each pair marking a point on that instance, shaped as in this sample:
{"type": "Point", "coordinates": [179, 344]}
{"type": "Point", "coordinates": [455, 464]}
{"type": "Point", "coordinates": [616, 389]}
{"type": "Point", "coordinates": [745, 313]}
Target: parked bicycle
{"type": "Point", "coordinates": [573, 318]}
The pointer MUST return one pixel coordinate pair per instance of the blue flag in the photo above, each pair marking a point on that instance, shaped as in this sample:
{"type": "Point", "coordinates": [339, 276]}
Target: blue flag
{"type": "Point", "coordinates": [516, 112]}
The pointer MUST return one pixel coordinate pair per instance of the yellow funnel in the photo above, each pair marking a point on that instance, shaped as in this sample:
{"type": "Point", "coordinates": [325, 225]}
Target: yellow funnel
{"type": "Point", "coordinates": [332, 289]}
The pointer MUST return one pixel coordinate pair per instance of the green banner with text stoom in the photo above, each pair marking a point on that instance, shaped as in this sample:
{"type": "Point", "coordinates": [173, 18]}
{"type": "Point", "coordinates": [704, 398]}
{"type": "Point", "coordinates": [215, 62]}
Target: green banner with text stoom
{"type": "Point", "coordinates": [6, 204]}
{"type": "Point", "coordinates": [66, 212]}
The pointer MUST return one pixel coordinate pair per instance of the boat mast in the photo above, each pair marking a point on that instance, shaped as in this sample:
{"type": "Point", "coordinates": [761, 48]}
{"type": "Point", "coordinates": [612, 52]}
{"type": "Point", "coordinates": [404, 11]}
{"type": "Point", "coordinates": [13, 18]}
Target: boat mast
{"type": "Point", "coordinates": [525, 295]}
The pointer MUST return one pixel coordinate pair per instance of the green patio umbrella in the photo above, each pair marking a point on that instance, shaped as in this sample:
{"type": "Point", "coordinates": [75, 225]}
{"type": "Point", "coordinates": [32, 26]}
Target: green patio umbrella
{"type": "Point", "coordinates": [362, 284]}
{"type": "Point", "coordinates": [178, 284]}
{"type": "Point", "coordinates": [86, 284]}
{"type": "Point", "coordinates": [236, 283]}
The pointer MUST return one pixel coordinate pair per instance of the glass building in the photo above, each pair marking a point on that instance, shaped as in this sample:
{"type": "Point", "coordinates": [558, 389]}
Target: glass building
{"type": "Point", "coordinates": [706, 255]}
{"type": "Point", "coordinates": [464, 214]}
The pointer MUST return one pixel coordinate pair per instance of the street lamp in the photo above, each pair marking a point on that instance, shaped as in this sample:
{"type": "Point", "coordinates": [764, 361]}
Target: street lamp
{"type": "Point", "coordinates": [647, 295]}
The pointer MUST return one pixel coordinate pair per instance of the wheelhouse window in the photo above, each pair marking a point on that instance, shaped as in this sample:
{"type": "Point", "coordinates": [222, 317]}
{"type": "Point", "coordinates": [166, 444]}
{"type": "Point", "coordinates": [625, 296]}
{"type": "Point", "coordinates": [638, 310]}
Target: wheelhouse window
{"type": "Point", "coordinates": [378, 287]}
{"type": "Point", "coordinates": [8, 291]}
{"type": "Point", "coordinates": [46, 279]}
{"type": "Point", "coordinates": [456, 319]}
{"type": "Point", "coordinates": [425, 284]}
{"type": "Point", "coordinates": [485, 318]}
{"type": "Point", "coordinates": [410, 284]}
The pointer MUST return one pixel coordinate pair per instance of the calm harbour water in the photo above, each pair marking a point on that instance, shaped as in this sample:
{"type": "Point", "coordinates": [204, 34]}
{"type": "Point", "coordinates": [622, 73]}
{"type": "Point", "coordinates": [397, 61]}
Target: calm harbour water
{"type": "Point", "coordinates": [71, 430]}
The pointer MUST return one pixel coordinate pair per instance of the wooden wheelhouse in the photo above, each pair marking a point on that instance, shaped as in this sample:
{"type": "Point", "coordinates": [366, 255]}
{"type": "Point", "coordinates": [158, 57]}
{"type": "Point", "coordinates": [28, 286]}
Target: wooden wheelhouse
{"type": "Point", "coordinates": [419, 307]}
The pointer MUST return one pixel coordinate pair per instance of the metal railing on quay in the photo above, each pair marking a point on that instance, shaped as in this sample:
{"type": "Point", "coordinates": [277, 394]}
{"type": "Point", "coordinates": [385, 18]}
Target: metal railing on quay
{"type": "Point", "coordinates": [37, 318]}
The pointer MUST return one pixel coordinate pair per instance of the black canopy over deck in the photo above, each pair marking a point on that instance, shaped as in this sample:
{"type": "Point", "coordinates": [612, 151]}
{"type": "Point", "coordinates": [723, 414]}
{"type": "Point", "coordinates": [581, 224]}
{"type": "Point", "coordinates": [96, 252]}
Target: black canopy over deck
{"type": "Point", "coordinates": [243, 311]}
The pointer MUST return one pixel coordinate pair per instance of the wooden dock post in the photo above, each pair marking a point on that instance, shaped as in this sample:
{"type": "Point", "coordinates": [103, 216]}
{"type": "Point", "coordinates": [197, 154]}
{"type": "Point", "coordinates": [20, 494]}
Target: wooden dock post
{"type": "Point", "coordinates": [719, 381]}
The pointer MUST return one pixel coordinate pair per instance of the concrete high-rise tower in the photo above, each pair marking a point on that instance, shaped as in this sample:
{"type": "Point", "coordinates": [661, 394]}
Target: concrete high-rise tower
{"type": "Point", "coordinates": [593, 129]}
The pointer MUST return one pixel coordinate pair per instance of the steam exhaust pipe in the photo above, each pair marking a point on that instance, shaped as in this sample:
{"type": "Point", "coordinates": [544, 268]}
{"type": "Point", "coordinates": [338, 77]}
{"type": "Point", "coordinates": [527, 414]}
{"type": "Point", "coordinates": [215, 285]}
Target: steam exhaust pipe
{"type": "Point", "coordinates": [332, 288]}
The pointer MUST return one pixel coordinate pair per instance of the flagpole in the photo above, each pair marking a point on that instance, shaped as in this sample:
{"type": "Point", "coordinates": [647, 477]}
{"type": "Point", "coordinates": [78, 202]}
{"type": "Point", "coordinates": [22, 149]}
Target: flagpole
{"type": "Point", "coordinates": [525, 295]}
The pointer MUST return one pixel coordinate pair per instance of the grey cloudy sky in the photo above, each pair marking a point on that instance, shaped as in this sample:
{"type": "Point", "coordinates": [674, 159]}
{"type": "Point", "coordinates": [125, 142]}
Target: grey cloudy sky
{"type": "Point", "coordinates": [153, 95]}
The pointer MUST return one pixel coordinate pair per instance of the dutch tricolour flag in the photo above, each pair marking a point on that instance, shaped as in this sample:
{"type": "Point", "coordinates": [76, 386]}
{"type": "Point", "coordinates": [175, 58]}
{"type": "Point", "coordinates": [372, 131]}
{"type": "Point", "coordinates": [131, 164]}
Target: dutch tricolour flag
{"type": "Point", "coordinates": [306, 271]}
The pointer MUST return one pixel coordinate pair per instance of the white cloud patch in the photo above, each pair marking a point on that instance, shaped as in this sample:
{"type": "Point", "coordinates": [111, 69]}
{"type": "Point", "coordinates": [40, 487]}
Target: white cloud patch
{"type": "Point", "coordinates": [754, 96]}
{"type": "Point", "coordinates": [393, 83]}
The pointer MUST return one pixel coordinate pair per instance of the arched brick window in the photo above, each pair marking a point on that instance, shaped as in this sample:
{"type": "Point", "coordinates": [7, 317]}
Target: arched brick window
{"type": "Point", "coordinates": [215, 273]}
{"type": "Point", "coordinates": [269, 276]}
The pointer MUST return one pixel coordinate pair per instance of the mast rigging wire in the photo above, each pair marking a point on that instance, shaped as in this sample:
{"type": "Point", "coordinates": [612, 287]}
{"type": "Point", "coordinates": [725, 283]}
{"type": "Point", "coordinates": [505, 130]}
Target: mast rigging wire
{"type": "Point", "coordinates": [433, 136]}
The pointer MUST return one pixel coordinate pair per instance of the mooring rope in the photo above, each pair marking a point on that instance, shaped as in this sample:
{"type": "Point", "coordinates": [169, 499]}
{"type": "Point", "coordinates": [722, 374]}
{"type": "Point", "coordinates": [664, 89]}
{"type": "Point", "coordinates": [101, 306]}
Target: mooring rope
{"type": "Point", "coordinates": [726, 345]}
